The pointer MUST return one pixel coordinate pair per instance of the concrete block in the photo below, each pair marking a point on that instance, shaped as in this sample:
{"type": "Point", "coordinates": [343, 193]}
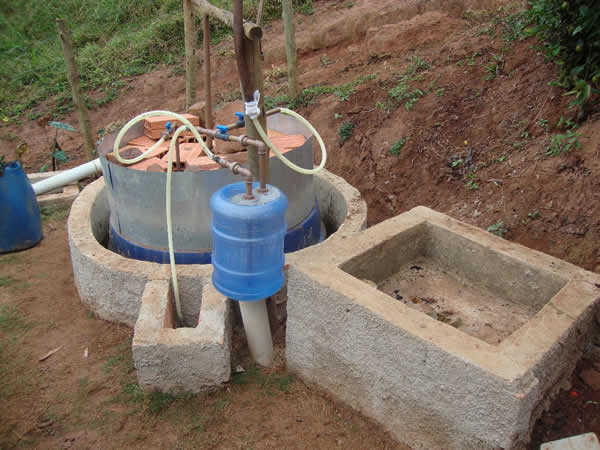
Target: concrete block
{"type": "Point", "coordinates": [59, 197]}
{"type": "Point", "coordinates": [179, 360]}
{"type": "Point", "coordinates": [480, 384]}
{"type": "Point", "coordinates": [587, 441]}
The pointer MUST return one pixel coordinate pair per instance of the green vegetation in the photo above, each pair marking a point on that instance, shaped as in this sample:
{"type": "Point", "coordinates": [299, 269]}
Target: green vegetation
{"type": "Point", "coordinates": [402, 91]}
{"type": "Point", "coordinates": [254, 375]}
{"type": "Point", "coordinates": [114, 40]}
{"type": "Point", "coordinates": [498, 228]}
{"type": "Point", "coordinates": [570, 35]}
{"type": "Point", "coordinates": [563, 142]}
{"type": "Point", "coordinates": [345, 132]}
{"type": "Point", "coordinates": [398, 145]}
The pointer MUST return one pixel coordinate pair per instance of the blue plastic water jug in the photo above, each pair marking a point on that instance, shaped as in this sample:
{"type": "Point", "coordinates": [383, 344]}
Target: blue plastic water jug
{"type": "Point", "coordinates": [20, 222]}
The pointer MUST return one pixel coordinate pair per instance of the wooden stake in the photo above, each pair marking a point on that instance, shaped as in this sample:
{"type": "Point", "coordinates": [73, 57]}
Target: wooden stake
{"type": "Point", "coordinates": [289, 28]}
{"type": "Point", "coordinates": [259, 12]}
{"type": "Point", "coordinates": [250, 66]}
{"type": "Point", "coordinates": [189, 27]}
{"type": "Point", "coordinates": [74, 80]}
{"type": "Point", "coordinates": [208, 118]}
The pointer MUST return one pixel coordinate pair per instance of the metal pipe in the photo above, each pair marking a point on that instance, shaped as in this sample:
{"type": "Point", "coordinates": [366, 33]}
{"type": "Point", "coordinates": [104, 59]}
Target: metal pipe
{"type": "Point", "coordinates": [235, 167]}
{"type": "Point", "coordinates": [262, 164]}
{"type": "Point", "coordinates": [249, 195]}
{"type": "Point", "coordinates": [244, 140]}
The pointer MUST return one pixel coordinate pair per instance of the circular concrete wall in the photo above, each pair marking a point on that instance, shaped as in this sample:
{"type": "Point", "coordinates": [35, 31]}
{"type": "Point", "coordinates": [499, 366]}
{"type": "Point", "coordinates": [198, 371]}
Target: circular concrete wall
{"type": "Point", "coordinates": [112, 285]}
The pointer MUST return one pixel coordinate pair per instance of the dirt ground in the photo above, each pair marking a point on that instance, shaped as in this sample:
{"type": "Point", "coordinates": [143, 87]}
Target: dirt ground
{"type": "Point", "coordinates": [474, 148]}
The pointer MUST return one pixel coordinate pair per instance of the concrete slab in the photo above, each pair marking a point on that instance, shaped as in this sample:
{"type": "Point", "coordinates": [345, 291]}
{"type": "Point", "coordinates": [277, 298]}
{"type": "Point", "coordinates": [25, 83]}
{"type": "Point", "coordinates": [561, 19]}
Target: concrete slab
{"type": "Point", "coordinates": [587, 441]}
{"type": "Point", "coordinates": [177, 360]}
{"type": "Point", "coordinates": [431, 384]}
{"type": "Point", "coordinates": [59, 197]}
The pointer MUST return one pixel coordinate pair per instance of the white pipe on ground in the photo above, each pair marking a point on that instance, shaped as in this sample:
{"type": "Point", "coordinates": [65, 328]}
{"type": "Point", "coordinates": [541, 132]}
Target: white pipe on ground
{"type": "Point", "coordinates": [75, 174]}
{"type": "Point", "coordinates": [258, 331]}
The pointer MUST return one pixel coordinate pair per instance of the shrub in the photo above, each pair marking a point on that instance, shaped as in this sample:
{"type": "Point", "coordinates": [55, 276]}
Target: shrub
{"type": "Point", "coordinates": [570, 31]}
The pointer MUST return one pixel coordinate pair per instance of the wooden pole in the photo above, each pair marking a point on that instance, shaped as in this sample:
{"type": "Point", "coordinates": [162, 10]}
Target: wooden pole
{"type": "Point", "coordinates": [259, 12]}
{"type": "Point", "coordinates": [250, 65]}
{"type": "Point", "coordinates": [74, 80]}
{"type": "Point", "coordinates": [289, 28]}
{"type": "Point", "coordinates": [251, 30]}
{"type": "Point", "coordinates": [189, 27]}
{"type": "Point", "coordinates": [208, 118]}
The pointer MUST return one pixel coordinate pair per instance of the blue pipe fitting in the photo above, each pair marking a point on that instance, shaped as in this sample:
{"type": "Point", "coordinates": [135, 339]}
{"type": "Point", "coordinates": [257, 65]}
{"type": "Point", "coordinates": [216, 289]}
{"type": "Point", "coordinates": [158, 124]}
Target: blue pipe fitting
{"type": "Point", "coordinates": [240, 120]}
{"type": "Point", "coordinates": [223, 133]}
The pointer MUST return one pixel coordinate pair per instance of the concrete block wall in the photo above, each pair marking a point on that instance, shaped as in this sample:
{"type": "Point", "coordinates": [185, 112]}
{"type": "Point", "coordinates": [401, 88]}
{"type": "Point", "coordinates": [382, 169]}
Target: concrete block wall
{"type": "Point", "coordinates": [431, 385]}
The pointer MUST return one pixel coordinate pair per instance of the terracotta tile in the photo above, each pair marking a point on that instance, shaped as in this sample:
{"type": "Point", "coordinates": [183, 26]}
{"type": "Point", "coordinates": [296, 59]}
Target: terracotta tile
{"type": "Point", "coordinates": [273, 133]}
{"type": "Point", "coordinates": [201, 163]}
{"type": "Point", "coordinates": [145, 164]}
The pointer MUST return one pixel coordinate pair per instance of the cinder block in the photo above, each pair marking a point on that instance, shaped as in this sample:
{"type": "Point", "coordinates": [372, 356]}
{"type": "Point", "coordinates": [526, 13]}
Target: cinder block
{"type": "Point", "coordinates": [358, 327]}
{"type": "Point", "coordinates": [180, 360]}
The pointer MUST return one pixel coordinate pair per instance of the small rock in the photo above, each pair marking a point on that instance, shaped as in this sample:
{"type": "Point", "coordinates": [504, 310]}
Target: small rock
{"type": "Point", "coordinates": [591, 377]}
{"type": "Point", "coordinates": [239, 369]}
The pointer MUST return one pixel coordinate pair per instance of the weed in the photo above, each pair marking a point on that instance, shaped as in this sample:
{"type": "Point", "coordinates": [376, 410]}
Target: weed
{"type": "Point", "coordinates": [55, 212]}
{"type": "Point", "coordinates": [343, 92]}
{"type": "Point", "coordinates": [544, 124]}
{"type": "Point", "coordinates": [456, 163]}
{"type": "Point", "coordinates": [159, 401]}
{"type": "Point", "coordinates": [494, 67]}
{"type": "Point", "coordinates": [471, 185]}
{"type": "Point", "coordinates": [398, 145]}
{"type": "Point", "coordinates": [276, 73]}
{"type": "Point", "coordinates": [345, 132]}
{"type": "Point", "coordinates": [337, 116]}
{"type": "Point", "coordinates": [533, 214]}
{"type": "Point", "coordinates": [306, 8]}
{"type": "Point", "coordinates": [563, 143]}
{"type": "Point", "coordinates": [274, 102]}
{"type": "Point", "coordinates": [498, 228]}
{"type": "Point", "coordinates": [502, 158]}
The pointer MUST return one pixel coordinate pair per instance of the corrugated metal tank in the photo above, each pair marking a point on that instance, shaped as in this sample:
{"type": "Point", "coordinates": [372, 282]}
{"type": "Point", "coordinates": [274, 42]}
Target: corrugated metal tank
{"type": "Point", "coordinates": [138, 226]}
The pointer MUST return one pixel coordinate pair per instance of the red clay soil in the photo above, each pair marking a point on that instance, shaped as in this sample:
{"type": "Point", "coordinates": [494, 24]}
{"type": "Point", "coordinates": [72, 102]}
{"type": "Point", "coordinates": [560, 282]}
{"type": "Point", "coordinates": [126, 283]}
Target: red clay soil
{"type": "Point", "coordinates": [474, 147]}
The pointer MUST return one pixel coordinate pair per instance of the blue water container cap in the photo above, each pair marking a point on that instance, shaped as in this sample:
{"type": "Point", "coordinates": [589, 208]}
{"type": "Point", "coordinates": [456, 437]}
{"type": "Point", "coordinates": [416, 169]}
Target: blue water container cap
{"type": "Point", "coordinates": [248, 238]}
{"type": "Point", "coordinates": [20, 222]}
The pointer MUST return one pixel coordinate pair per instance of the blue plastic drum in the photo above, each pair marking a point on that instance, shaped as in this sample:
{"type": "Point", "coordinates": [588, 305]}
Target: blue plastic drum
{"type": "Point", "coordinates": [248, 240]}
{"type": "Point", "coordinates": [20, 223]}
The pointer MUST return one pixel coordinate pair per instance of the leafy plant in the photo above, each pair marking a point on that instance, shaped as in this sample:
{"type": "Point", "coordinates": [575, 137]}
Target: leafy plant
{"type": "Point", "coordinates": [563, 143]}
{"type": "Point", "coordinates": [345, 131]}
{"type": "Point", "coordinates": [398, 145]}
{"type": "Point", "coordinates": [570, 31]}
{"type": "Point", "coordinates": [498, 228]}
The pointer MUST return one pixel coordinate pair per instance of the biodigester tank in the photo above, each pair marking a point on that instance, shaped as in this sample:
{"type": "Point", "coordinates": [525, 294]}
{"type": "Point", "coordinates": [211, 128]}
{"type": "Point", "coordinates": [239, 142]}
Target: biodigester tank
{"type": "Point", "coordinates": [138, 227]}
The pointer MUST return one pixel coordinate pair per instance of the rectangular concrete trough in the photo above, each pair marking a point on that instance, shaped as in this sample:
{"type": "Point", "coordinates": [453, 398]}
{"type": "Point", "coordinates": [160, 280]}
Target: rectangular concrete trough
{"type": "Point", "coordinates": [450, 337]}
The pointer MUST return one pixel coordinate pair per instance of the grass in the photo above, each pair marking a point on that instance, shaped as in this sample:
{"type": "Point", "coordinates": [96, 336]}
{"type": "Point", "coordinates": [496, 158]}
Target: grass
{"type": "Point", "coordinates": [345, 132]}
{"type": "Point", "coordinates": [114, 40]}
{"type": "Point", "coordinates": [498, 228]}
{"type": "Point", "coordinates": [397, 146]}
{"type": "Point", "coordinates": [15, 374]}
{"type": "Point", "coordinates": [310, 95]}
{"type": "Point", "coordinates": [54, 213]}
{"type": "Point", "coordinates": [403, 92]}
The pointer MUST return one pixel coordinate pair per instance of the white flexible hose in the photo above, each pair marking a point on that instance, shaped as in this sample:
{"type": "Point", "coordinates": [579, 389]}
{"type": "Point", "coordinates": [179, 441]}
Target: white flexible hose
{"type": "Point", "coordinates": [144, 155]}
{"type": "Point", "coordinates": [283, 159]}
{"type": "Point", "coordinates": [186, 125]}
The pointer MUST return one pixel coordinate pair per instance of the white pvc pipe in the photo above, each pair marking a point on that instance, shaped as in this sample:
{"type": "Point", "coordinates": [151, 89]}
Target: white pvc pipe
{"type": "Point", "coordinates": [75, 174]}
{"type": "Point", "coordinates": [258, 331]}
